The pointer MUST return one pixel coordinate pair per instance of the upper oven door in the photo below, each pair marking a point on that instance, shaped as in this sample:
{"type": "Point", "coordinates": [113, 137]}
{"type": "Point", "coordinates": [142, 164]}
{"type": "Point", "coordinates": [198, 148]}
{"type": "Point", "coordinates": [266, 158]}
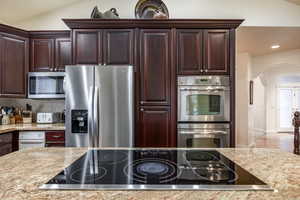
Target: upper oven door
{"type": "Point", "coordinates": [203, 103]}
{"type": "Point", "coordinates": [46, 85]}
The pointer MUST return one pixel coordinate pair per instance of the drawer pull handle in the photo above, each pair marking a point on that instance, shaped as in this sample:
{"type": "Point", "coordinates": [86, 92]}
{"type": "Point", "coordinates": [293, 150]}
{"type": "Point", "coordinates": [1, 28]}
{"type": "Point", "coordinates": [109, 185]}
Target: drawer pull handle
{"type": "Point", "coordinates": [56, 136]}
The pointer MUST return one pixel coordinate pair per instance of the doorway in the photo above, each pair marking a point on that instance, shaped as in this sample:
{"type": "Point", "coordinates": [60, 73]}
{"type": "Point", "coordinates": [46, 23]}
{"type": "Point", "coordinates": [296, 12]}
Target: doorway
{"type": "Point", "coordinates": [288, 104]}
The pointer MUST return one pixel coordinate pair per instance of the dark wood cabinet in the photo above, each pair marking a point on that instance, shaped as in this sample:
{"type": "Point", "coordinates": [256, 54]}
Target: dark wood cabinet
{"type": "Point", "coordinates": [63, 53]}
{"type": "Point", "coordinates": [42, 55]}
{"type": "Point", "coordinates": [155, 127]}
{"type": "Point", "coordinates": [118, 46]}
{"type": "Point", "coordinates": [216, 51]}
{"type": "Point", "coordinates": [155, 67]}
{"type": "Point", "coordinates": [14, 65]}
{"type": "Point", "coordinates": [50, 50]}
{"type": "Point", "coordinates": [55, 138]}
{"type": "Point", "coordinates": [189, 51]}
{"type": "Point", "coordinates": [203, 52]}
{"type": "Point", "coordinates": [8, 143]}
{"type": "Point", "coordinates": [106, 47]}
{"type": "Point", "coordinates": [87, 47]}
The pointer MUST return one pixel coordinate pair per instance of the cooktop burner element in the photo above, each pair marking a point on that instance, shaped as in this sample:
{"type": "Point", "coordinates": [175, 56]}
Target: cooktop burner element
{"type": "Point", "coordinates": [150, 169]}
{"type": "Point", "coordinates": [113, 157]}
{"type": "Point", "coordinates": [155, 171]}
{"type": "Point", "coordinates": [88, 175]}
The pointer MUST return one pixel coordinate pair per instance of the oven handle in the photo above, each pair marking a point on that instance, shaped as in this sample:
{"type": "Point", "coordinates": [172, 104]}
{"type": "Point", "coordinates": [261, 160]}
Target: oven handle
{"type": "Point", "coordinates": [204, 133]}
{"type": "Point", "coordinates": [212, 89]}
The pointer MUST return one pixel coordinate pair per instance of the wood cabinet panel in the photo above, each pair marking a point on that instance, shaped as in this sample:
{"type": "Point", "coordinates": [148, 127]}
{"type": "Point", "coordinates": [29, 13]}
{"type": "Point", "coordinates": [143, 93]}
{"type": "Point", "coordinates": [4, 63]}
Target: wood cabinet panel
{"type": "Point", "coordinates": [216, 51]}
{"type": "Point", "coordinates": [55, 145]}
{"type": "Point", "coordinates": [63, 53]}
{"type": "Point", "coordinates": [155, 67]}
{"type": "Point", "coordinates": [14, 66]}
{"type": "Point", "coordinates": [189, 51]}
{"type": "Point", "coordinates": [118, 46]}
{"type": "Point", "coordinates": [42, 55]}
{"type": "Point", "coordinates": [6, 143]}
{"type": "Point", "coordinates": [155, 127]}
{"type": "Point", "coordinates": [87, 47]}
{"type": "Point", "coordinates": [55, 136]}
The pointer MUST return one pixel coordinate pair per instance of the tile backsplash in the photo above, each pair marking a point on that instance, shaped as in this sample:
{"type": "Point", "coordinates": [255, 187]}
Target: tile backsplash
{"type": "Point", "coordinates": [37, 105]}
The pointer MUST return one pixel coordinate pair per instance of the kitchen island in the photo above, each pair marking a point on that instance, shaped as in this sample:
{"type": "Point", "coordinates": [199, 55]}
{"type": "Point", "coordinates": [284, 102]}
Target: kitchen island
{"type": "Point", "coordinates": [24, 171]}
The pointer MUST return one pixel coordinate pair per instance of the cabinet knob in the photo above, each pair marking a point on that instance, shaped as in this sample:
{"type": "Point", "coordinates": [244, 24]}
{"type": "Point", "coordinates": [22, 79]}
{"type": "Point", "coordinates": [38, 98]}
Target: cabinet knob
{"type": "Point", "coordinates": [51, 69]}
{"type": "Point", "coordinates": [142, 109]}
{"type": "Point", "coordinates": [201, 70]}
{"type": "Point", "coordinates": [104, 64]}
{"type": "Point", "coordinates": [206, 70]}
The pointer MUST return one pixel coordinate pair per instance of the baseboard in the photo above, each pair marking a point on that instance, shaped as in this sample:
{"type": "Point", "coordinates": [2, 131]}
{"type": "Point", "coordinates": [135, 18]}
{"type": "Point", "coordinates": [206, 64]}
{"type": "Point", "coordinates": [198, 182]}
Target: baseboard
{"type": "Point", "coordinates": [258, 131]}
{"type": "Point", "coordinates": [245, 146]}
{"type": "Point", "coordinates": [271, 132]}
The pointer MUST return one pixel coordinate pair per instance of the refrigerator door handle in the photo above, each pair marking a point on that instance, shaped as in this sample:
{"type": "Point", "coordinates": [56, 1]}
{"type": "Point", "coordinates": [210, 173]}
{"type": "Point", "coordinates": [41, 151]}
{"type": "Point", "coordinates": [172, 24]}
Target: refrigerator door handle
{"type": "Point", "coordinates": [96, 117]}
{"type": "Point", "coordinates": [91, 117]}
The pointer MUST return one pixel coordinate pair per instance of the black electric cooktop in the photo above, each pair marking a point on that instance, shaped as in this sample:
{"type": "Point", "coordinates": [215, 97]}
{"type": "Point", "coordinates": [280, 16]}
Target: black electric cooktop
{"type": "Point", "coordinates": [149, 169]}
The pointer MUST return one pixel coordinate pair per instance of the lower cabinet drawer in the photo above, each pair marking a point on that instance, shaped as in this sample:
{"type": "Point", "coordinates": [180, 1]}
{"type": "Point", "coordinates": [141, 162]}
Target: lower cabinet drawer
{"type": "Point", "coordinates": [55, 145]}
{"type": "Point", "coordinates": [55, 136]}
{"type": "Point", "coordinates": [5, 149]}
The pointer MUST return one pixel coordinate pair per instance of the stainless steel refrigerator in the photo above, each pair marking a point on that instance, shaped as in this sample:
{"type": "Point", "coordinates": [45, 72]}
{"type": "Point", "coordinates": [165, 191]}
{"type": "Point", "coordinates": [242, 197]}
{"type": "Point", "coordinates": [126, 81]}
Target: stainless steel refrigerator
{"type": "Point", "coordinates": [99, 106]}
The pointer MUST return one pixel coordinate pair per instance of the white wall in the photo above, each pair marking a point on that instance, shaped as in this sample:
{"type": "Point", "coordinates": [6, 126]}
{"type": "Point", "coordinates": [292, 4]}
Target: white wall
{"type": "Point", "coordinates": [243, 72]}
{"type": "Point", "coordinates": [256, 12]}
{"type": "Point", "coordinates": [258, 110]}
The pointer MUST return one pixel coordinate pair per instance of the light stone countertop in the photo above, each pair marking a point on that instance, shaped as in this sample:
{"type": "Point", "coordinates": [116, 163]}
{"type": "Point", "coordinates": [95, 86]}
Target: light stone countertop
{"type": "Point", "coordinates": [22, 172]}
{"type": "Point", "coordinates": [31, 127]}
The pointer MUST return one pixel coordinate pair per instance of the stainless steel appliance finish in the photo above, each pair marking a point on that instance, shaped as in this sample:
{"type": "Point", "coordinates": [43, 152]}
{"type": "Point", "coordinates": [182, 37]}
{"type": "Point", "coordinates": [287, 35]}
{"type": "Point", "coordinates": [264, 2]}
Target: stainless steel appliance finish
{"type": "Point", "coordinates": [46, 85]}
{"type": "Point", "coordinates": [31, 139]}
{"type": "Point", "coordinates": [203, 98]}
{"type": "Point", "coordinates": [156, 187]}
{"type": "Point", "coordinates": [203, 135]}
{"type": "Point", "coordinates": [99, 106]}
{"type": "Point", "coordinates": [47, 118]}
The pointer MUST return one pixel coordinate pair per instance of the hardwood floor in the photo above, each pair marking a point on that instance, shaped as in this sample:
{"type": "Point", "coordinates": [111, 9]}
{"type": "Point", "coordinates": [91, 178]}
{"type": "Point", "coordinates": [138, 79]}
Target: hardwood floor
{"type": "Point", "coordinates": [283, 141]}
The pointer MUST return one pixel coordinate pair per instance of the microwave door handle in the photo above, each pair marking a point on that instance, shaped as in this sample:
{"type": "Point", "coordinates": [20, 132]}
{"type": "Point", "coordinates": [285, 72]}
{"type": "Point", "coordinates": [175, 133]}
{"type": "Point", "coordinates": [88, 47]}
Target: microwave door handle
{"type": "Point", "coordinates": [90, 116]}
{"type": "Point", "coordinates": [96, 117]}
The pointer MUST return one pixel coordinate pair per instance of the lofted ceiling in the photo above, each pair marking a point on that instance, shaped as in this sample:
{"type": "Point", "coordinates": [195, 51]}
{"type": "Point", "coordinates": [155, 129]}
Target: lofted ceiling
{"type": "Point", "coordinates": [297, 2]}
{"type": "Point", "coordinates": [258, 40]}
{"type": "Point", "coordinates": [12, 11]}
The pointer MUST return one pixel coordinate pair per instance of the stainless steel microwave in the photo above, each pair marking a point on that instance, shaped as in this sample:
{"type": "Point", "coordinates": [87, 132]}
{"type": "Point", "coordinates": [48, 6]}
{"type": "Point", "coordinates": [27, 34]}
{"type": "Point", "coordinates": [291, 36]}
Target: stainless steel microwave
{"type": "Point", "coordinates": [46, 85]}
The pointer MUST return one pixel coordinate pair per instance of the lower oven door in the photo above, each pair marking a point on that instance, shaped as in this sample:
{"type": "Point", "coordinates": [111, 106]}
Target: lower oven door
{"type": "Point", "coordinates": [210, 103]}
{"type": "Point", "coordinates": [203, 135]}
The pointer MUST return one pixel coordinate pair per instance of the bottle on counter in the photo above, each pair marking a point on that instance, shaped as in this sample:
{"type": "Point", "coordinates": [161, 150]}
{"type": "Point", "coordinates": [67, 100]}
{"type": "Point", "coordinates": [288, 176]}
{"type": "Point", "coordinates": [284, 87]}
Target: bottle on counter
{"type": "Point", "coordinates": [5, 119]}
{"type": "Point", "coordinates": [18, 116]}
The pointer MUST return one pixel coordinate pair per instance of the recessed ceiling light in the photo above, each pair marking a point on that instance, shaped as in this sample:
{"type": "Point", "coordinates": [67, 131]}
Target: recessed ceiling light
{"type": "Point", "coordinates": [275, 46]}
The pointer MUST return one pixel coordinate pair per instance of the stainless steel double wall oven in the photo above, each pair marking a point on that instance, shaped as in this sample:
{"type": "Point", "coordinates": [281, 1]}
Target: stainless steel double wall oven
{"type": "Point", "coordinates": [203, 111]}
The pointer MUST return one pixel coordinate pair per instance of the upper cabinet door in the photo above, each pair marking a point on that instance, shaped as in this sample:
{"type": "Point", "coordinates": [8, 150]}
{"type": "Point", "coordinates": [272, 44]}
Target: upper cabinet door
{"type": "Point", "coordinates": [42, 55]}
{"type": "Point", "coordinates": [14, 66]}
{"type": "Point", "coordinates": [216, 51]}
{"type": "Point", "coordinates": [63, 55]}
{"type": "Point", "coordinates": [87, 47]}
{"type": "Point", "coordinates": [118, 47]}
{"type": "Point", "coordinates": [155, 67]}
{"type": "Point", "coordinates": [189, 52]}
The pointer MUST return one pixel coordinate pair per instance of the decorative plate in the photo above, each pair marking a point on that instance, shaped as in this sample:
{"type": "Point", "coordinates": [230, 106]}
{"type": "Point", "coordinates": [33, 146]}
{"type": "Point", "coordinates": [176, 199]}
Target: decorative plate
{"type": "Point", "coordinates": [150, 9]}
